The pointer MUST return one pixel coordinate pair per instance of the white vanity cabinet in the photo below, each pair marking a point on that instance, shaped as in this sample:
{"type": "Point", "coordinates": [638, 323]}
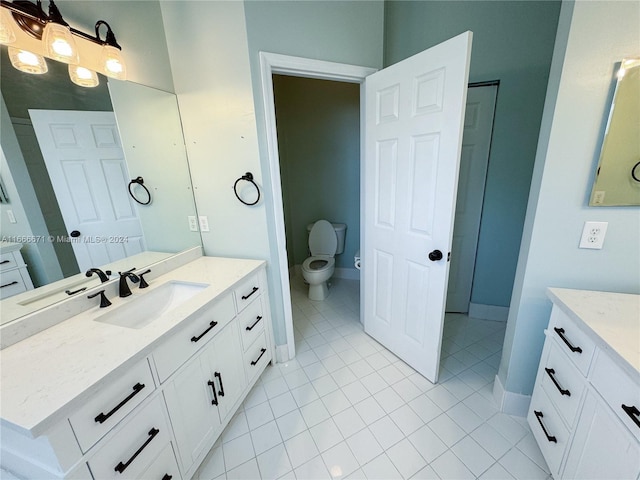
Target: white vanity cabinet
{"type": "Point", "coordinates": [158, 413]}
{"type": "Point", "coordinates": [584, 409]}
{"type": "Point", "coordinates": [14, 277]}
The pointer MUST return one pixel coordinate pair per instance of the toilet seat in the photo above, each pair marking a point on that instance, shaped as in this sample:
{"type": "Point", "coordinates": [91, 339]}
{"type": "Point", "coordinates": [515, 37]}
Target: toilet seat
{"type": "Point", "coordinates": [322, 239]}
{"type": "Point", "coordinates": [318, 263]}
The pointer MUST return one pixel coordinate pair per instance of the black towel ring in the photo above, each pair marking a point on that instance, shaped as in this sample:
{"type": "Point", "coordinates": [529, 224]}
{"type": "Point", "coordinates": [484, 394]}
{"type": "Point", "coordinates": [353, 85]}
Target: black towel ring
{"type": "Point", "coordinates": [635, 172]}
{"type": "Point", "coordinates": [249, 178]}
{"type": "Point", "coordinates": [139, 181]}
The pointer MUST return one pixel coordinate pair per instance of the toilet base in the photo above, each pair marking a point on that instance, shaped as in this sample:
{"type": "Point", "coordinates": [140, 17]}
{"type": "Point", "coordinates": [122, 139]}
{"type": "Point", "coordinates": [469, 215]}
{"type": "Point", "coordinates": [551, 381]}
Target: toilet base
{"type": "Point", "coordinates": [318, 292]}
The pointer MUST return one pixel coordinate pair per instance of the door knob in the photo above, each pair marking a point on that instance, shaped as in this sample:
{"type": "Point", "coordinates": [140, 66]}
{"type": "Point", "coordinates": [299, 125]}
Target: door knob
{"type": "Point", "coordinates": [435, 255]}
{"type": "Point", "coordinates": [74, 234]}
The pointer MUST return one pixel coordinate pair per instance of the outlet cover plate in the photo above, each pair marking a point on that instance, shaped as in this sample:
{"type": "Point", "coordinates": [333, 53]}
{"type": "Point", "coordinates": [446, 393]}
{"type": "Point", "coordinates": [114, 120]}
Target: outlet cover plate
{"type": "Point", "coordinates": [593, 235]}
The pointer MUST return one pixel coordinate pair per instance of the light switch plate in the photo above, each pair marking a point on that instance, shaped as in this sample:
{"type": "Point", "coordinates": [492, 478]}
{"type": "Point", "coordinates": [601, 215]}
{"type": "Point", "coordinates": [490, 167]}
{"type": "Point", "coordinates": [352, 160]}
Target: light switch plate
{"type": "Point", "coordinates": [204, 223]}
{"type": "Point", "coordinates": [12, 217]}
{"type": "Point", "coordinates": [593, 235]}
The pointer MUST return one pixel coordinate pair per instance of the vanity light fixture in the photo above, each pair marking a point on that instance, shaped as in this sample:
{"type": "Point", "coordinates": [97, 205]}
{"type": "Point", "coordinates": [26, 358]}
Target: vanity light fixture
{"type": "Point", "coordinates": [58, 41]}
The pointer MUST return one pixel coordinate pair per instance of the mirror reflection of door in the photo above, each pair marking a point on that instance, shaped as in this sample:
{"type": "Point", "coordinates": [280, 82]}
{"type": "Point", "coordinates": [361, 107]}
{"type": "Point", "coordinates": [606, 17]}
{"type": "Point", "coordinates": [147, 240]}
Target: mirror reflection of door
{"type": "Point", "coordinates": [84, 158]}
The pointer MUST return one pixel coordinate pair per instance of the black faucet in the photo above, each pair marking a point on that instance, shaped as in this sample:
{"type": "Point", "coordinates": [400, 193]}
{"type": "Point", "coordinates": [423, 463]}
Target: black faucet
{"type": "Point", "coordinates": [104, 276]}
{"type": "Point", "coordinates": [104, 301]}
{"type": "Point", "coordinates": [124, 289]}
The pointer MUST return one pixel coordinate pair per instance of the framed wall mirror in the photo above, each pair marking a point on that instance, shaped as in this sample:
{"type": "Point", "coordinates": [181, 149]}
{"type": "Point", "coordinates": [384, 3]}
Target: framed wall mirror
{"type": "Point", "coordinates": [617, 181]}
{"type": "Point", "coordinates": [148, 131]}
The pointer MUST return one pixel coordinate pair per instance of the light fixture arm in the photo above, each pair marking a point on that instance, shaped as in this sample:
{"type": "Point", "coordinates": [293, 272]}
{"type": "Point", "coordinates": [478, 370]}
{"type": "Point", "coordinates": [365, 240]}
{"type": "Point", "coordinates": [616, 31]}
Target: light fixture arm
{"type": "Point", "coordinates": [110, 38]}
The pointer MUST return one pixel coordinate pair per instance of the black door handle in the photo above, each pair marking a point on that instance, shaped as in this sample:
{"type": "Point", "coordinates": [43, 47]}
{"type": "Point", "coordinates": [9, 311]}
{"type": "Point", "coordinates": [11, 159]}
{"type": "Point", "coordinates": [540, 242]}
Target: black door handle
{"type": "Point", "coordinates": [74, 234]}
{"type": "Point", "coordinates": [435, 255]}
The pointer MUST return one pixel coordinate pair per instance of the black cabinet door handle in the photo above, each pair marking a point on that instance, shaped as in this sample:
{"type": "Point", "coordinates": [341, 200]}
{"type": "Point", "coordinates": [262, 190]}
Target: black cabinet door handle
{"type": "Point", "coordinates": [633, 412]}
{"type": "Point", "coordinates": [219, 377]}
{"type": "Point", "coordinates": [215, 395]}
{"type": "Point", "coordinates": [560, 332]}
{"type": "Point", "coordinates": [121, 467]}
{"type": "Point", "coordinates": [539, 416]}
{"type": "Point", "coordinates": [102, 417]}
{"type": "Point", "coordinates": [551, 372]}
{"type": "Point", "coordinates": [258, 318]}
{"type": "Point", "coordinates": [211, 325]}
{"type": "Point", "coordinates": [4, 262]}
{"type": "Point", "coordinates": [262, 350]}
{"type": "Point", "coordinates": [255, 289]}
{"type": "Point", "coordinates": [167, 477]}
{"type": "Point", "coordinates": [9, 284]}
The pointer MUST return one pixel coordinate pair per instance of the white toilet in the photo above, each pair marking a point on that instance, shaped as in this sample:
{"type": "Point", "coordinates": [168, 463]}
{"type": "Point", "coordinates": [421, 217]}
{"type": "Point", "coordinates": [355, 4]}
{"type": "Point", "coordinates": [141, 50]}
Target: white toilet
{"type": "Point", "coordinates": [325, 241]}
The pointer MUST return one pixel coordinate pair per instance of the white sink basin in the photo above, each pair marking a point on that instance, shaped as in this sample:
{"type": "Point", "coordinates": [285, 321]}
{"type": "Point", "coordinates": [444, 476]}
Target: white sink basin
{"type": "Point", "coordinates": [141, 310]}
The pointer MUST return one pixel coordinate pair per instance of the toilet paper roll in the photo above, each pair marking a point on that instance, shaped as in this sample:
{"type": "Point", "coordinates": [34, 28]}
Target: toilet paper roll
{"type": "Point", "coordinates": [357, 264]}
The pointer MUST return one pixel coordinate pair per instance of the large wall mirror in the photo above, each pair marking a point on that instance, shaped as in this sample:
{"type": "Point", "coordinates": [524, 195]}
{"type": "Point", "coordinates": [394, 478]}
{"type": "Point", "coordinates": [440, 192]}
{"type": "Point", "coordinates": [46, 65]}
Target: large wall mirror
{"type": "Point", "coordinates": [617, 181]}
{"type": "Point", "coordinates": [146, 142]}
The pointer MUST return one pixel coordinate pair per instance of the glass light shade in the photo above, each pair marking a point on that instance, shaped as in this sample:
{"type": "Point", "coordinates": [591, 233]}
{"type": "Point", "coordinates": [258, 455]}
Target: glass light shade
{"type": "Point", "coordinates": [113, 63]}
{"type": "Point", "coordinates": [59, 43]}
{"type": "Point", "coordinates": [26, 61]}
{"type": "Point", "coordinates": [7, 32]}
{"type": "Point", "coordinates": [83, 76]}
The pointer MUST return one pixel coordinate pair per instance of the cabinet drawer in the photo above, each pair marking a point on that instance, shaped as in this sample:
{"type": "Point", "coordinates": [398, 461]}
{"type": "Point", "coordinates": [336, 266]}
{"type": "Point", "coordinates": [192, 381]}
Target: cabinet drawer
{"type": "Point", "coordinates": [196, 332]}
{"type": "Point", "coordinates": [9, 261]}
{"type": "Point", "coordinates": [252, 323]}
{"type": "Point", "coordinates": [111, 404]}
{"type": "Point", "coordinates": [618, 389]}
{"type": "Point", "coordinates": [547, 428]}
{"type": "Point", "coordinates": [134, 447]}
{"type": "Point", "coordinates": [561, 381]}
{"type": "Point", "coordinates": [256, 357]}
{"type": "Point", "coordinates": [248, 290]}
{"type": "Point", "coordinates": [11, 283]}
{"type": "Point", "coordinates": [574, 342]}
{"type": "Point", "coordinates": [164, 467]}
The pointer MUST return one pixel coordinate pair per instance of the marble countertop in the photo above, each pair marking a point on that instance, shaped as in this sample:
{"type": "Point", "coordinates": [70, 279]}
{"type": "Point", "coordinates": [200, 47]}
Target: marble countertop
{"type": "Point", "coordinates": [44, 377]}
{"type": "Point", "coordinates": [612, 319]}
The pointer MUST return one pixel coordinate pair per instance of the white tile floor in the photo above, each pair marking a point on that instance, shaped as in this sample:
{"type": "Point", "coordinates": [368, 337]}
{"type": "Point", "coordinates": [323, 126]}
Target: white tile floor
{"type": "Point", "coordinates": [346, 407]}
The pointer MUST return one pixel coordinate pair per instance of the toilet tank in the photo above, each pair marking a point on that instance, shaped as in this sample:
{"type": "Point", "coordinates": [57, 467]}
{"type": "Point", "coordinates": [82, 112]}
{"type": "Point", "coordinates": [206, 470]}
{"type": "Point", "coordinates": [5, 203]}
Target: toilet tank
{"type": "Point", "coordinates": [341, 231]}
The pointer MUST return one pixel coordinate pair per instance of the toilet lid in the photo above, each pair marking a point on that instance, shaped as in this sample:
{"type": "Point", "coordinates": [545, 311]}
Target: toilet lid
{"type": "Point", "coordinates": [323, 239]}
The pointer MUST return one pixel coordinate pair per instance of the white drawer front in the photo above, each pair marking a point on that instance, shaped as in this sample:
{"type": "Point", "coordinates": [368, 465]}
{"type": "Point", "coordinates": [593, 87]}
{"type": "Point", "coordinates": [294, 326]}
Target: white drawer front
{"type": "Point", "coordinates": [164, 467]}
{"type": "Point", "coordinates": [256, 357]}
{"type": "Point", "coordinates": [619, 391]}
{"type": "Point", "coordinates": [576, 344]}
{"type": "Point", "coordinates": [248, 290]}
{"type": "Point", "coordinates": [252, 323]}
{"type": "Point", "coordinates": [11, 283]}
{"type": "Point", "coordinates": [134, 447]}
{"type": "Point", "coordinates": [562, 382]}
{"type": "Point", "coordinates": [198, 330]}
{"type": "Point", "coordinates": [548, 430]}
{"type": "Point", "coordinates": [9, 261]}
{"type": "Point", "coordinates": [111, 404]}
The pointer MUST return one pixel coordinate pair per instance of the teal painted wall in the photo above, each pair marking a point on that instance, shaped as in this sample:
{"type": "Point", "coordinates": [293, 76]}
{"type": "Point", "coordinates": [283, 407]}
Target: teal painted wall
{"type": "Point", "coordinates": [512, 42]}
{"type": "Point", "coordinates": [319, 147]}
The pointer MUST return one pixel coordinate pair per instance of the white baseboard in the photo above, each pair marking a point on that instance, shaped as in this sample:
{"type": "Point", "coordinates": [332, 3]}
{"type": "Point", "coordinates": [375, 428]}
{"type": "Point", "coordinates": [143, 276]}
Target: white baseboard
{"type": "Point", "coordinates": [488, 312]}
{"type": "Point", "coordinates": [282, 353]}
{"type": "Point", "coordinates": [509, 402]}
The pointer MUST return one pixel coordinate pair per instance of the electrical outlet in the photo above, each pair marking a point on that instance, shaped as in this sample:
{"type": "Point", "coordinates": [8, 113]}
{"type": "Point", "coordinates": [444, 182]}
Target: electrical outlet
{"type": "Point", "coordinates": [593, 235]}
{"type": "Point", "coordinates": [204, 223]}
{"type": "Point", "coordinates": [193, 223]}
{"type": "Point", "coordinates": [598, 197]}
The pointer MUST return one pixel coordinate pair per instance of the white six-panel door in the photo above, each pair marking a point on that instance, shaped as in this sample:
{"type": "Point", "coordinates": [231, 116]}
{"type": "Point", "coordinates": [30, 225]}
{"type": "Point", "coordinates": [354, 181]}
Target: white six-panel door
{"type": "Point", "coordinates": [476, 143]}
{"type": "Point", "coordinates": [86, 164]}
{"type": "Point", "coordinates": [414, 113]}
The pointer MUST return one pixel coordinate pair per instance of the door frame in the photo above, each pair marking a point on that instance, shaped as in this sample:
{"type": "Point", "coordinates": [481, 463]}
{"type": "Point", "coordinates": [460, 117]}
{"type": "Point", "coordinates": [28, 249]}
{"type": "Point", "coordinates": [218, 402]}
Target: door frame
{"type": "Point", "coordinates": [273, 63]}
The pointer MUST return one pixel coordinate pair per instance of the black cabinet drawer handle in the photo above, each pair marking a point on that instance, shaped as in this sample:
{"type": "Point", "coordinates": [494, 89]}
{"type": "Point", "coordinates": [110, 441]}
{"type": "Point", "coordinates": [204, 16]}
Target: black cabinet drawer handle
{"type": "Point", "coordinates": [121, 467]}
{"type": "Point", "coordinates": [215, 395]}
{"type": "Point", "coordinates": [551, 438]}
{"type": "Point", "coordinates": [9, 284]}
{"type": "Point", "coordinates": [4, 262]}
{"type": "Point", "coordinates": [262, 350]}
{"type": "Point", "coordinates": [102, 417]}
{"type": "Point", "coordinates": [258, 318]}
{"type": "Point", "coordinates": [219, 377]}
{"type": "Point", "coordinates": [211, 325]}
{"type": "Point", "coordinates": [255, 289]}
{"type": "Point", "coordinates": [633, 412]}
{"type": "Point", "coordinates": [167, 477]}
{"type": "Point", "coordinates": [551, 372]}
{"type": "Point", "coordinates": [560, 332]}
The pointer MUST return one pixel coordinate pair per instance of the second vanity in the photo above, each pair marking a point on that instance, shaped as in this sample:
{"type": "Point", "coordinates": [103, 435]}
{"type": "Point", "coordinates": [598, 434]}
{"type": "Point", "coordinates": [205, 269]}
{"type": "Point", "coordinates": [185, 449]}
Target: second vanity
{"type": "Point", "coordinates": [106, 396]}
